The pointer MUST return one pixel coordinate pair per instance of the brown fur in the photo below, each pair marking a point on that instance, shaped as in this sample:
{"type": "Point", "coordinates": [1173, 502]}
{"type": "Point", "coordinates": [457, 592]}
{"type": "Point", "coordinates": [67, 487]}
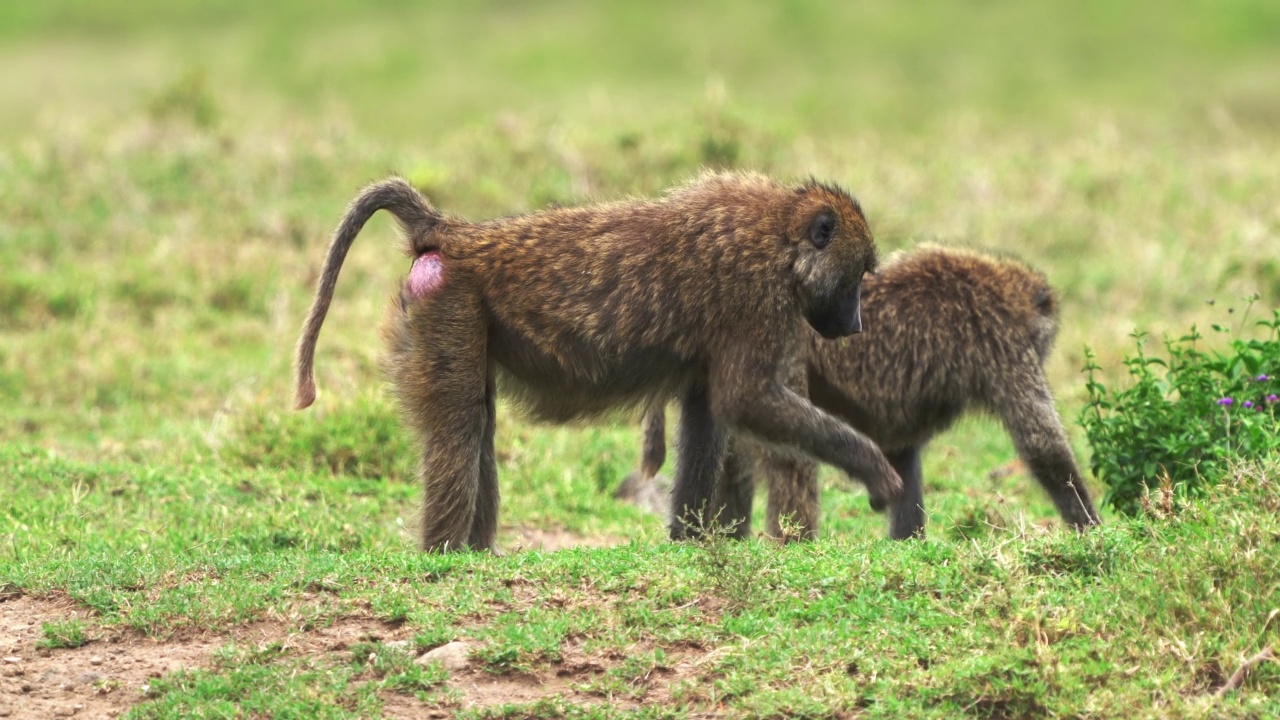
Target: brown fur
{"type": "Point", "coordinates": [949, 331]}
{"type": "Point", "coordinates": [701, 295]}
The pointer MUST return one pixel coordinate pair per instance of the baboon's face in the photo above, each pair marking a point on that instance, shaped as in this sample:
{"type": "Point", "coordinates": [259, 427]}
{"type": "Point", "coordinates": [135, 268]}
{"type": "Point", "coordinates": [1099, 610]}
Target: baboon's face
{"type": "Point", "coordinates": [834, 250]}
{"type": "Point", "coordinates": [1044, 325]}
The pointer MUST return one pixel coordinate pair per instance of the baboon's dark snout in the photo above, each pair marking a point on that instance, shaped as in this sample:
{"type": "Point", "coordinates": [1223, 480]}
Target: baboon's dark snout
{"type": "Point", "coordinates": [855, 326]}
{"type": "Point", "coordinates": [851, 311]}
{"type": "Point", "coordinates": [840, 316]}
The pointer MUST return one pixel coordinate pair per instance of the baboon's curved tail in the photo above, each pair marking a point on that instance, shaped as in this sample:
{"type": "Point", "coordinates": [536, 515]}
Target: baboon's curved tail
{"type": "Point", "coordinates": [416, 217]}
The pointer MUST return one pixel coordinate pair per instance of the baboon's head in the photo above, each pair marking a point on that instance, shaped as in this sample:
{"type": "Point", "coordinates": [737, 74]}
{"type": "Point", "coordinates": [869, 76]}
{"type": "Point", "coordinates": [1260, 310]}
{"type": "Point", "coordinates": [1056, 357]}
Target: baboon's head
{"type": "Point", "coordinates": [834, 249]}
{"type": "Point", "coordinates": [1044, 328]}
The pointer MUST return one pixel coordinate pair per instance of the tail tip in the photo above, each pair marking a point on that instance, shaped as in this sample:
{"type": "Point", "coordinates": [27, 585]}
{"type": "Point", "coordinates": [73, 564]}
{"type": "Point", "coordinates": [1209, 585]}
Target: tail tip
{"type": "Point", "coordinates": [305, 395]}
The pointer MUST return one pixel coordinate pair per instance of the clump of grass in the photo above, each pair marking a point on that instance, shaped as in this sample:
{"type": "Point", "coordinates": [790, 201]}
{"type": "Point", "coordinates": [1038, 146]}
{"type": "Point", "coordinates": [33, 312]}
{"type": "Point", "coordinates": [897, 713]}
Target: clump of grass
{"type": "Point", "coordinates": [188, 98]}
{"type": "Point", "coordinates": [521, 642]}
{"type": "Point", "coordinates": [362, 439]}
{"type": "Point", "coordinates": [261, 682]}
{"type": "Point", "coordinates": [63, 634]}
{"type": "Point", "coordinates": [1077, 554]}
{"type": "Point", "coordinates": [28, 302]}
{"type": "Point", "coordinates": [631, 678]}
{"type": "Point", "coordinates": [737, 571]}
{"type": "Point", "coordinates": [979, 520]}
{"type": "Point", "coordinates": [1008, 683]}
{"type": "Point", "coordinates": [395, 668]}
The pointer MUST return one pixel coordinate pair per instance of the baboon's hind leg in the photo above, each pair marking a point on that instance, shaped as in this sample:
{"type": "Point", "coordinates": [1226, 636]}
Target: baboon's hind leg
{"type": "Point", "coordinates": [699, 462]}
{"type": "Point", "coordinates": [735, 492]}
{"type": "Point", "coordinates": [793, 494]}
{"type": "Point", "coordinates": [1026, 406]}
{"type": "Point", "coordinates": [655, 440]}
{"type": "Point", "coordinates": [439, 371]}
{"type": "Point", "coordinates": [793, 481]}
{"type": "Point", "coordinates": [906, 519]}
{"type": "Point", "coordinates": [484, 527]}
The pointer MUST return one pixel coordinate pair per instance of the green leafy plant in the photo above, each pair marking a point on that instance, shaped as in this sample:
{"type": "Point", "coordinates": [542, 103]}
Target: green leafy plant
{"type": "Point", "coordinates": [1184, 418]}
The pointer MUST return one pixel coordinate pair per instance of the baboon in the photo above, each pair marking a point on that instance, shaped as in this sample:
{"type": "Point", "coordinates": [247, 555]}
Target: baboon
{"type": "Point", "coordinates": [702, 295]}
{"type": "Point", "coordinates": [950, 331]}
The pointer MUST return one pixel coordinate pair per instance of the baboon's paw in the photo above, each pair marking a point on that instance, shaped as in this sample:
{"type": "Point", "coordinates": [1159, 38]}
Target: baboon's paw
{"type": "Point", "coordinates": [887, 494]}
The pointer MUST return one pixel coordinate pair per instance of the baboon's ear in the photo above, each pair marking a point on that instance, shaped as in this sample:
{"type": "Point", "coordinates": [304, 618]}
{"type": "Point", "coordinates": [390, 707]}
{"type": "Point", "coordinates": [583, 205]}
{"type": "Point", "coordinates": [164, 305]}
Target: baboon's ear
{"type": "Point", "coordinates": [822, 228]}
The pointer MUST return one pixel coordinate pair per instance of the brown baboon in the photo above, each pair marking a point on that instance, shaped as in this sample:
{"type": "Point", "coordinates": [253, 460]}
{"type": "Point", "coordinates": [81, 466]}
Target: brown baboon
{"type": "Point", "coordinates": [950, 331]}
{"type": "Point", "coordinates": [701, 295]}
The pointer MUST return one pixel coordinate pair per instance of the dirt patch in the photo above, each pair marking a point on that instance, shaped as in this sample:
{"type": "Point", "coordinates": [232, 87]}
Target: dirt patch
{"type": "Point", "coordinates": [111, 674]}
{"type": "Point", "coordinates": [474, 688]}
{"type": "Point", "coordinates": [106, 677]}
{"type": "Point", "coordinates": [99, 680]}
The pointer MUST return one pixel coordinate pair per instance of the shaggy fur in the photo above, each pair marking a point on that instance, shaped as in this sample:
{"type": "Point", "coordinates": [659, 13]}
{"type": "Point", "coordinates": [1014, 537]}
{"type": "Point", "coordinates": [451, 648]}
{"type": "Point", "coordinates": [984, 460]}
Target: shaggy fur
{"type": "Point", "coordinates": [702, 295]}
{"type": "Point", "coordinates": [950, 331]}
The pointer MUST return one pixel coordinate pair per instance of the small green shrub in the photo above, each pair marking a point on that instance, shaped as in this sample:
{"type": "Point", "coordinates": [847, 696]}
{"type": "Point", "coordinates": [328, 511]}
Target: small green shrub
{"type": "Point", "coordinates": [738, 570]}
{"type": "Point", "coordinates": [1185, 418]}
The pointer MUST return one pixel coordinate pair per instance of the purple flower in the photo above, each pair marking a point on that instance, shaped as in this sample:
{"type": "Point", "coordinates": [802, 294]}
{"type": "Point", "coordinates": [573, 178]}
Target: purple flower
{"type": "Point", "coordinates": [1248, 403]}
{"type": "Point", "coordinates": [1273, 398]}
{"type": "Point", "coordinates": [1263, 378]}
{"type": "Point", "coordinates": [1225, 401]}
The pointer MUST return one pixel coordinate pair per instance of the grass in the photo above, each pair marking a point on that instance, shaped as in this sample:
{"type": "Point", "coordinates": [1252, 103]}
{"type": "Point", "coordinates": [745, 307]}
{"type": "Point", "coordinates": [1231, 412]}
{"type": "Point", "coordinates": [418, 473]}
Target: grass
{"type": "Point", "coordinates": [169, 174]}
{"type": "Point", "coordinates": [1153, 613]}
{"type": "Point", "coordinates": [63, 634]}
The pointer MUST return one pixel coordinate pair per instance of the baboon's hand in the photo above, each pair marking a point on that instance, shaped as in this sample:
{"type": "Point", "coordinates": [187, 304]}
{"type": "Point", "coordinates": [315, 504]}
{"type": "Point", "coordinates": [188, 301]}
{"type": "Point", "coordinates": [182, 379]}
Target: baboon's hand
{"type": "Point", "coordinates": [886, 490]}
{"type": "Point", "coordinates": [1082, 516]}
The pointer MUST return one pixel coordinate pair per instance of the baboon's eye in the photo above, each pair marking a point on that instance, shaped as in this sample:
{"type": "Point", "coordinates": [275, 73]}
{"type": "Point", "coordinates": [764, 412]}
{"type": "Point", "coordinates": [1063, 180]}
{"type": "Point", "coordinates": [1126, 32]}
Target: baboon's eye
{"type": "Point", "coordinates": [822, 229]}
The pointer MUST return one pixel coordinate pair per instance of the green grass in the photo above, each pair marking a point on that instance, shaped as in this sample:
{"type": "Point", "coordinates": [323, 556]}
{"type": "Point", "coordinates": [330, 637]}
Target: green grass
{"type": "Point", "coordinates": [170, 172]}
{"type": "Point", "coordinates": [1152, 612]}
{"type": "Point", "coordinates": [63, 634]}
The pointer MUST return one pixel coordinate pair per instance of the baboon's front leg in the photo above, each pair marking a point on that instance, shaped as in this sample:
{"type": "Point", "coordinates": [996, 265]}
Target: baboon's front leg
{"type": "Point", "coordinates": [751, 399]}
{"type": "Point", "coordinates": [699, 462]}
{"type": "Point", "coordinates": [793, 480]}
{"type": "Point", "coordinates": [906, 518]}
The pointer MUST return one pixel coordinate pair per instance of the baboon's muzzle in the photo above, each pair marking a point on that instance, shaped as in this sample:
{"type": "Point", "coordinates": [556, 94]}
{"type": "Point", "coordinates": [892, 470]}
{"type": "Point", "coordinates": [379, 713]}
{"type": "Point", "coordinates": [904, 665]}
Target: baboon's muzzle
{"type": "Point", "coordinates": [841, 314]}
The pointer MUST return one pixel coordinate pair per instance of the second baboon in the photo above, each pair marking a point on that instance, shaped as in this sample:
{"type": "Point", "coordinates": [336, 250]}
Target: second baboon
{"type": "Point", "coordinates": [949, 331]}
{"type": "Point", "coordinates": [702, 295]}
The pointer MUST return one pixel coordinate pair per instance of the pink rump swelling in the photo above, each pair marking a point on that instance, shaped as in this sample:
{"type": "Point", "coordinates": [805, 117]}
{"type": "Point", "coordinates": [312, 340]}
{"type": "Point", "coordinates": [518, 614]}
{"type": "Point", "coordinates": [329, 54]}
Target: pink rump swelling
{"type": "Point", "coordinates": [426, 274]}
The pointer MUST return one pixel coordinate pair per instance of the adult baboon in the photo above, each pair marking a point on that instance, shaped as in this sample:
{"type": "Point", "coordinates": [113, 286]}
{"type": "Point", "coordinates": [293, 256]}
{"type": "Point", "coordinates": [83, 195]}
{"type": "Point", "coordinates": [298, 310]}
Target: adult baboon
{"type": "Point", "coordinates": [701, 295]}
{"type": "Point", "coordinates": [950, 331]}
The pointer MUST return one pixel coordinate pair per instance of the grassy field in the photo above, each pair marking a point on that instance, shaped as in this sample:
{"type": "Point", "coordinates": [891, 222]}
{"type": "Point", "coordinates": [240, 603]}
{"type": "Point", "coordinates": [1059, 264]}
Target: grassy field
{"type": "Point", "coordinates": [175, 542]}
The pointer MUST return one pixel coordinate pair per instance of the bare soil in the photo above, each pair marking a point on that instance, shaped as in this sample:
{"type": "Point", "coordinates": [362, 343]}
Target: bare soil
{"type": "Point", "coordinates": [112, 672]}
{"type": "Point", "coordinates": [101, 679]}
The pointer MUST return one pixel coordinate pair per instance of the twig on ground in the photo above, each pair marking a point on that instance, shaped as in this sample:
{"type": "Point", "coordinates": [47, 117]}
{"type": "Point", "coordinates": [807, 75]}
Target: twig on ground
{"type": "Point", "coordinates": [1237, 678]}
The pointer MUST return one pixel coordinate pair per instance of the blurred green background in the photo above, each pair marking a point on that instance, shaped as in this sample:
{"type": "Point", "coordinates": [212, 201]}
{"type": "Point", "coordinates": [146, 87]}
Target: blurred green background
{"type": "Point", "coordinates": [410, 71]}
